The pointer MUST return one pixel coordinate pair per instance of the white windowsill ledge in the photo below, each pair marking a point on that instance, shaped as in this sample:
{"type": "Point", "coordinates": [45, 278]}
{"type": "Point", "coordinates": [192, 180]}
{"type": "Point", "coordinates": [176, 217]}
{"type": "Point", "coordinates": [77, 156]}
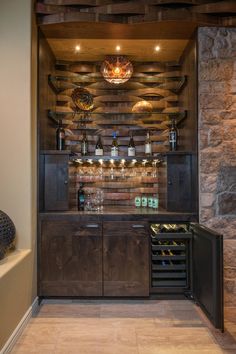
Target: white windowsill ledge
{"type": "Point", "coordinates": [6, 264]}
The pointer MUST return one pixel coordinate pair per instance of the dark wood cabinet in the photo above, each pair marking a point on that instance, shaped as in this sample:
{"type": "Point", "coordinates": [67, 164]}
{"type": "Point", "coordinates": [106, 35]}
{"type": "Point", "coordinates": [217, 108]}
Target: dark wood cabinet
{"type": "Point", "coordinates": [56, 182]}
{"type": "Point", "coordinates": [126, 258]}
{"type": "Point", "coordinates": [208, 273]}
{"type": "Point", "coordinates": [181, 182]}
{"type": "Point", "coordinates": [77, 260]}
{"type": "Point", "coordinates": [70, 258]}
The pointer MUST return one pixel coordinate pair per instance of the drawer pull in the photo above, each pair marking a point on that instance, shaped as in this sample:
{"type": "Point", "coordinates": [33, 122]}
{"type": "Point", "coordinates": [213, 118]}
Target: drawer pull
{"type": "Point", "coordinates": [92, 226]}
{"type": "Point", "coordinates": [137, 226]}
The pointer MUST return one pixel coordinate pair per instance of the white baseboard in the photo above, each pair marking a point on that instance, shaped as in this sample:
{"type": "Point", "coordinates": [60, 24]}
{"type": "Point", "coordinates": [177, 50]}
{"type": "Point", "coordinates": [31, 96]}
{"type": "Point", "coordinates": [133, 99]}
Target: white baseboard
{"type": "Point", "coordinates": [20, 327]}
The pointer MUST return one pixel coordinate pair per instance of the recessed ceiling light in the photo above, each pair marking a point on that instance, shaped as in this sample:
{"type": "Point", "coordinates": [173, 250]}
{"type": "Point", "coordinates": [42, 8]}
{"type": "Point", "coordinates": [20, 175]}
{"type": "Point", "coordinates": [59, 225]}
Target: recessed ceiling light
{"type": "Point", "coordinates": [157, 48]}
{"type": "Point", "coordinates": [118, 48]}
{"type": "Point", "coordinates": [77, 48]}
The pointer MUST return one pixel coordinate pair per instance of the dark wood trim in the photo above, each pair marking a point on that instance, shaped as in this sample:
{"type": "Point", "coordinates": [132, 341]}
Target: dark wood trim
{"type": "Point", "coordinates": [206, 12]}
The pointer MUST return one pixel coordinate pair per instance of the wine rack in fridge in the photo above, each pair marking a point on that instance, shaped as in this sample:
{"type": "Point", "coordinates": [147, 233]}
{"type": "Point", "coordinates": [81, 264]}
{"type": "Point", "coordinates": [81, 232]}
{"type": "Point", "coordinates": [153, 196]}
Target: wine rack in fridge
{"type": "Point", "coordinates": [170, 257]}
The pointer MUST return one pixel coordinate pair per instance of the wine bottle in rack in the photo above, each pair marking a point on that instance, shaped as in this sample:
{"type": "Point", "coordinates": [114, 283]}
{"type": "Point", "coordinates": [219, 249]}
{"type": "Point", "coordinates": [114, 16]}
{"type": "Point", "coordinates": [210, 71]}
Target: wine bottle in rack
{"type": "Point", "coordinates": [131, 146]}
{"type": "Point", "coordinates": [99, 147]}
{"type": "Point", "coordinates": [81, 198]}
{"type": "Point", "coordinates": [60, 136]}
{"type": "Point", "coordinates": [84, 145]}
{"type": "Point", "coordinates": [148, 145]}
{"type": "Point", "coordinates": [114, 146]}
{"type": "Point", "coordinates": [173, 136]}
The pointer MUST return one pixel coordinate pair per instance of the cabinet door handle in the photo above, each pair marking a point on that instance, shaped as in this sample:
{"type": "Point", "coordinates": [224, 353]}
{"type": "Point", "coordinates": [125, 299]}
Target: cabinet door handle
{"type": "Point", "coordinates": [136, 226]}
{"type": "Point", "coordinates": [92, 225]}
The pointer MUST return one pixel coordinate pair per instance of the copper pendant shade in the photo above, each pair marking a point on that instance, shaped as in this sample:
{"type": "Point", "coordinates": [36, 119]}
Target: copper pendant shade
{"type": "Point", "coordinates": [116, 69]}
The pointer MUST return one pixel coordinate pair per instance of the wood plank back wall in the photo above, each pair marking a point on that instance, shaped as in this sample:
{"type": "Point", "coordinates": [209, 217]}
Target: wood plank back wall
{"type": "Point", "coordinates": [156, 83]}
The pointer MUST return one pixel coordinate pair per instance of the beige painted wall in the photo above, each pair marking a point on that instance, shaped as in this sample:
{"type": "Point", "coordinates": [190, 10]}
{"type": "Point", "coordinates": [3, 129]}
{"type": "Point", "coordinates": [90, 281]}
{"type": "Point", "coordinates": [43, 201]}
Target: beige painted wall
{"type": "Point", "coordinates": [15, 116]}
{"type": "Point", "coordinates": [17, 157]}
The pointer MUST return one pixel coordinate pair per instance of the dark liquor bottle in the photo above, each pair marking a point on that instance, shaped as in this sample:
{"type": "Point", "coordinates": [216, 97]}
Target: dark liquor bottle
{"type": "Point", "coordinates": [84, 145]}
{"type": "Point", "coordinates": [114, 146]}
{"type": "Point", "coordinates": [148, 145]}
{"type": "Point", "coordinates": [99, 147]}
{"type": "Point", "coordinates": [81, 198]}
{"type": "Point", "coordinates": [131, 146]}
{"type": "Point", "coordinates": [173, 136]}
{"type": "Point", "coordinates": [60, 136]}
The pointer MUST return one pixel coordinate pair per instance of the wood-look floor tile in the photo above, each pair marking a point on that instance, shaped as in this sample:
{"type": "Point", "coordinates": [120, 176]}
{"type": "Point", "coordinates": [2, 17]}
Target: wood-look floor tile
{"type": "Point", "coordinates": [112, 348]}
{"type": "Point", "coordinates": [69, 310]}
{"type": "Point", "coordinates": [168, 349]}
{"type": "Point", "coordinates": [125, 327]}
{"type": "Point", "coordinates": [176, 336]}
{"type": "Point", "coordinates": [39, 334]}
{"type": "Point", "coordinates": [133, 311]}
{"type": "Point", "coordinates": [33, 348]}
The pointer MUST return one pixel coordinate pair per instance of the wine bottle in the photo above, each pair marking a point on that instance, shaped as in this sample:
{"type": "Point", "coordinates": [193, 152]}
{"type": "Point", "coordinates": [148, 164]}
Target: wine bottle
{"type": "Point", "coordinates": [84, 145]}
{"type": "Point", "coordinates": [99, 147]}
{"type": "Point", "coordinates": [114, 146]}
{"type": "Point", "coordinates": [60, 136]}
{"type": "Point", "coordinates": [173, 136]}
{"type": "Point", "coordinates": [148, 145]}
{"type": "Point", "coordinates": [131, 146]}
{"type": "Point", "coordinates": [81, 198]}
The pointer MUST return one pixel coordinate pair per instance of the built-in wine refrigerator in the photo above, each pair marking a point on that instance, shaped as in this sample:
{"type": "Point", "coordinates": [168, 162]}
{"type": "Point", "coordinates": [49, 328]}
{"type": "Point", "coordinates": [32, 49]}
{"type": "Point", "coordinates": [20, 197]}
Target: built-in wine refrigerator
{"type": "Point", "coordinates": [187, 259]}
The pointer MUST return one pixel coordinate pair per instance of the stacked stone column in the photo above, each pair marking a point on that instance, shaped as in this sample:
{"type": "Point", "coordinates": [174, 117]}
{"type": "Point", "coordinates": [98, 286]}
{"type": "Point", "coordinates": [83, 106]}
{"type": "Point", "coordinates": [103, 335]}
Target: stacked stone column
{"type": "Point", "coordinates": [217, 142]}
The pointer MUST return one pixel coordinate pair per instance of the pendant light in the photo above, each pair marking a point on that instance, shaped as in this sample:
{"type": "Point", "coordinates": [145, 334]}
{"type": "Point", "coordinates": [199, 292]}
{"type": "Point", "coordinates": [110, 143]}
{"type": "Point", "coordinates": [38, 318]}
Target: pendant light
{"type": "Point", "coordinates": [116, 69]}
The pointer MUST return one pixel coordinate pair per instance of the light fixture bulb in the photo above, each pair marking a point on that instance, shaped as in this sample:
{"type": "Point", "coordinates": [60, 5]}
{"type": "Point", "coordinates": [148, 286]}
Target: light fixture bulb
{"type": "Point", "coordinates": [77, 48]}
{"type": "Point", "coordinates": [157, 48]}
{"type": "Point", "coordinates": [118, 48]}
{"type": "Point", "coordinates": [117, 70]}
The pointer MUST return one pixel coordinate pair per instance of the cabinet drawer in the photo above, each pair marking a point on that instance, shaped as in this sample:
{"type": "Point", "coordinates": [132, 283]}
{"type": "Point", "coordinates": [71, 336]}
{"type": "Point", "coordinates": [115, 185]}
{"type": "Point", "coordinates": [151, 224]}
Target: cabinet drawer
{"type": "Point", "coordinates": [61, 228]}
{"type": "Point", "coordinates": [125, 228]}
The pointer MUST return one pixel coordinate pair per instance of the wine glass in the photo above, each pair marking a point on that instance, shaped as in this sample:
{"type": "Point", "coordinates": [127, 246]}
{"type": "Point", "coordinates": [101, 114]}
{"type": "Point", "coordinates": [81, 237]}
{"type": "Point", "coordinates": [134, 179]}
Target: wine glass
{"type": "Point", "coordinates": [99, 198]}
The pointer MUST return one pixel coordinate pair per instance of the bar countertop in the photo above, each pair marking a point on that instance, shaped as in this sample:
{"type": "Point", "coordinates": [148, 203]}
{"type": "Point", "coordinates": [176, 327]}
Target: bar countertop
{"type": "Point", "coordinates": [122, 213]}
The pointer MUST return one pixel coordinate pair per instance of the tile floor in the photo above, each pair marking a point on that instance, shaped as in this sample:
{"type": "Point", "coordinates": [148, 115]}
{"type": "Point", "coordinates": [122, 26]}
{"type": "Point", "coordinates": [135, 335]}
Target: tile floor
{"type": "Point", "coordinates": [125, 327]}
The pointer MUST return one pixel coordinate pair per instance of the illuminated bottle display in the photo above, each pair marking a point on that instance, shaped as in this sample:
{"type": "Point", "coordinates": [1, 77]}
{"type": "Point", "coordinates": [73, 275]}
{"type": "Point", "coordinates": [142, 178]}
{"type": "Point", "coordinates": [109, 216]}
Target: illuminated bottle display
{"type": "Point", "coordinates": [148, 145]}
{"type": "Point", "coordinates": [81, 198]}
{"type": "Point", "coordinates": [114, 146]}
{"type": "Point", "coordinates": [84, 145]}
{"type": "Point", "coordinates": [173, 136]}
{"type": "Point", "coordinates": [60, 136]}
{"type": "Point", "coordinates": [131, 146]}
{"type": "Point", "coordinates": [99, 147]}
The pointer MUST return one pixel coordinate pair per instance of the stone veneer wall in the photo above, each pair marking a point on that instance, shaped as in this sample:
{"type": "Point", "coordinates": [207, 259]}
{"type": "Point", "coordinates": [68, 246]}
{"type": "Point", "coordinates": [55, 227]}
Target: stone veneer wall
{"type": "Point", "coordinates": [217, 142]}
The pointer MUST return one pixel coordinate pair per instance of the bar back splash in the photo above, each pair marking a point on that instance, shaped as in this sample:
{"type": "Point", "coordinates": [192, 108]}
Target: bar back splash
{"type": "Point", "coordinates": [120, 183]}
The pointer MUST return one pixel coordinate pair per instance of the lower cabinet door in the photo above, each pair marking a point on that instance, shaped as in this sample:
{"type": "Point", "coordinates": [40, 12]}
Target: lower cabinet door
{"type": "Point", "coordinates": [70, 259]}
{"type": "Point", "coordinates": [208, 273]}
{"type": "Point", "coordinates": [125, 259]}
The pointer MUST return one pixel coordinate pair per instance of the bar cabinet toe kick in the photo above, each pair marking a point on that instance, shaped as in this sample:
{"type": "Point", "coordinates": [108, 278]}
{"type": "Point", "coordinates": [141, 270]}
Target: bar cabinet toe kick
{"type": "Point", "coordinates": [117, 256]}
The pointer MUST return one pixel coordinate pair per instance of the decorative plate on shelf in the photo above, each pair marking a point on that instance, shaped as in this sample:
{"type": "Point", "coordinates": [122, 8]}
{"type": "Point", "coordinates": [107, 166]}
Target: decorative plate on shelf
{"type": "Point", "coordinates": [142, 107]}
{"type": "Point", "coordinates": [82, 99]}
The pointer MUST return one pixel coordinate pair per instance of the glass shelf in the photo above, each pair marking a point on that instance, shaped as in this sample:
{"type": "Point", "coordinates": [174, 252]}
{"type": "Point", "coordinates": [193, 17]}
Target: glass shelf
{"type": "Point", "coordinates": [171, 115]}
{"type": "Point", "coordinates": [61, 83]}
